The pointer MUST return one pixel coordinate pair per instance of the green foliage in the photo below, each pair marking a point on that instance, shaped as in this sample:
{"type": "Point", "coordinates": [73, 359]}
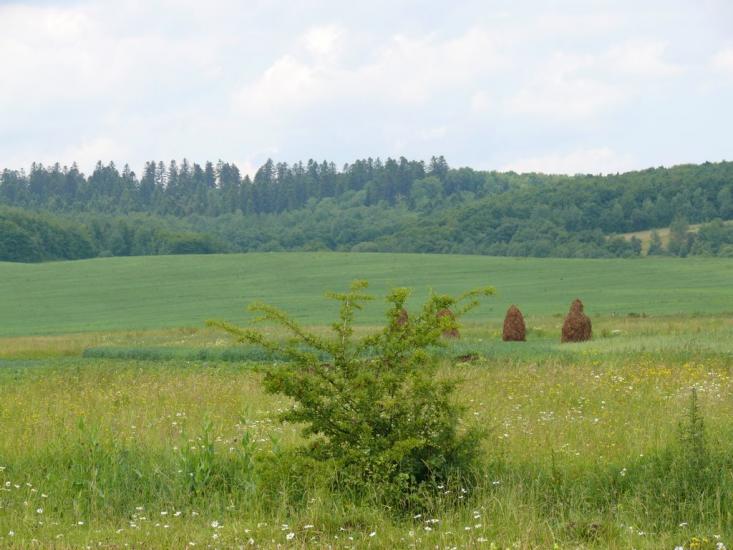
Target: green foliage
{"type": "Point", "coordinates": [655, 246]}
{"type": "Point", "coordinates": [376, 406]}
{"type": "Point", "coordinates": [392, 206]}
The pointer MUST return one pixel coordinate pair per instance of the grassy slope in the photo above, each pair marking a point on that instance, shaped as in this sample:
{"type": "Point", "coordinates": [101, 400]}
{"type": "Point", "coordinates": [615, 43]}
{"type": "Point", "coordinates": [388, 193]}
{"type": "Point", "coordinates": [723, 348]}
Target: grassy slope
{"type": "Point", "coordinates": [175, 291]}
{"type": "Point", "coordinates": [646, 236]}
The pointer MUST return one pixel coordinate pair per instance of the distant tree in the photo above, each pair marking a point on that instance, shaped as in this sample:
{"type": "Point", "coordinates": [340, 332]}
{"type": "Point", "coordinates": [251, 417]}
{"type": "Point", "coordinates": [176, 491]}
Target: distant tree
{"type": "Point", "coordinates": [679, 243]}
{"type": "Point", "coordinates": [17, 244]}
{"type": "Point", "coordinates": [655, 245]}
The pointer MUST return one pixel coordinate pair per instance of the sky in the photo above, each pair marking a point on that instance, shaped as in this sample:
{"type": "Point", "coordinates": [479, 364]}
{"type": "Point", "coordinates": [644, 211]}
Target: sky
{"type": "Point", "coordinates": [556, 86]}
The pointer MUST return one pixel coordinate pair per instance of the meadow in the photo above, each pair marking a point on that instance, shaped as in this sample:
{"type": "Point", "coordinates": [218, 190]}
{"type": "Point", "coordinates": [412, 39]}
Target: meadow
{"type": "Point", "coordinates": [154, 432]}
{"type": "Point", "coordinates": [143, 293]}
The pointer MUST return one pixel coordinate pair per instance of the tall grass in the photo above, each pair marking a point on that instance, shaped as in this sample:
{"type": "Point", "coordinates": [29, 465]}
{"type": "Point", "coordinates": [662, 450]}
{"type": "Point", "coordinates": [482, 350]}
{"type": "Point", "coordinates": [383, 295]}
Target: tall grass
{"type": "Point", "coordinates": [588, 447]}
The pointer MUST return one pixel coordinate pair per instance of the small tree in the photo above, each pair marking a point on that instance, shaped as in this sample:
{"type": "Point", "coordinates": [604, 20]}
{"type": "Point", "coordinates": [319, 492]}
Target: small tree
{"type": "Point", "coordinates": [375, 405]}
{"type": "Point", "coordinates": [656, 248]}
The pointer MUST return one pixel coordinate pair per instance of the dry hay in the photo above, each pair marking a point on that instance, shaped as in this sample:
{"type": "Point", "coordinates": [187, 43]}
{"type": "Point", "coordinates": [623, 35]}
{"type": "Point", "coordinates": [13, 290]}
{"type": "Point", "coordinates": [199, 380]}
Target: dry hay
{"type": "Point", "coordinates": [577, 325]}
{"type": "Point", "coordinates": [514, 329]}
{"type": "Point", "coordinates": [450, 333]}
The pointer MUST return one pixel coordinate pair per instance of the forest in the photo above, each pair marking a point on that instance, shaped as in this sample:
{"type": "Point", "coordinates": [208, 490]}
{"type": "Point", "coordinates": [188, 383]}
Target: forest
{"type": "Point", "coordinates": [371, 205]}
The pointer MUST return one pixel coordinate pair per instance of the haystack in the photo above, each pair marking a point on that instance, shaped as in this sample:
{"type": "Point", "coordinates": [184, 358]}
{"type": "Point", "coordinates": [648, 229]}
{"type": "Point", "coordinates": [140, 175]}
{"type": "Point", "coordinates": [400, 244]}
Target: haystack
{"type": "Point", "coordinates": [577, 325]}
{"type": "Point", "coordinates": [450, 333]}
{"type": "Point", "coordinates": [514, 329]}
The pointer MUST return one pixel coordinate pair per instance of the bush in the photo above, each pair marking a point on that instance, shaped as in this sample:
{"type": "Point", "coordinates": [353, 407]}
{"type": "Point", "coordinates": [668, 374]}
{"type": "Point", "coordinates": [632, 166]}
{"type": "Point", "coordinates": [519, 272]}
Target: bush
{"type": "Point", "coordinates": [375, 407]}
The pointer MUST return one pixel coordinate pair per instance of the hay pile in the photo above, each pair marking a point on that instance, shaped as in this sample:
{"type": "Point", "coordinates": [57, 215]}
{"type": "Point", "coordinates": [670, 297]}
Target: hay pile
{"type": "Point", "coordinates": [450, 333]}
{"type": "Point", "coordinates": [577, 325]}
{"type": "Point", "coordinates": [514, 329]}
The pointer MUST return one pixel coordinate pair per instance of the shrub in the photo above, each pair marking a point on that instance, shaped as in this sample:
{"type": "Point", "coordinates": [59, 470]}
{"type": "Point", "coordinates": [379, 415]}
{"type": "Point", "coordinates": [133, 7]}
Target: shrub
{"type": "Point", "coordinates": [375, 407]}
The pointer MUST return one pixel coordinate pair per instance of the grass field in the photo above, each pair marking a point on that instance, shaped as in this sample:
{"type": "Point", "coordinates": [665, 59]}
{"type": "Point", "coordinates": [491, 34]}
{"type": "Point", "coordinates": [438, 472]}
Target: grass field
{"type": "Point", "coordinates": [106, 412]}
{"type": "Point", "coordinates": [183, 291]}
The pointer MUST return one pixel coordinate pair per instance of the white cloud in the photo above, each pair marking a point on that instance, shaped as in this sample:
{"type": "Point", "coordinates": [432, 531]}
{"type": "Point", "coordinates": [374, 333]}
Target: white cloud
{"type": "Point", "coordinates": [563, 89]}
{"type": "Point", "coordinates": [480, 102]}
{"type": "Point", "coordinates": [435, 133]}
{"type": "Point", "coordinates": [576, 86]}
{"type": "Point", "coordinates": [643, 58]}
{"type": "Point", "coordinates": [323, 41]}
{"type": "Point", "coordinates": [722, 61]}
{"type": "Point", "coordinates": [405, 69]}
{"type": "Point", "coordinates": [601, 160]}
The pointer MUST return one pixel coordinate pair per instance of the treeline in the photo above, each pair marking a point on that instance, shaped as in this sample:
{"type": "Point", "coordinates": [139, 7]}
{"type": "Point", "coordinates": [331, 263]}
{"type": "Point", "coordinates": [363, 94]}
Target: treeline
{"type": "Point", "coordinates": [35, 237]}
{"type": "Point", "coordinates": [212, 190]}
{"type": "Point", "coordinates": [371, 205]}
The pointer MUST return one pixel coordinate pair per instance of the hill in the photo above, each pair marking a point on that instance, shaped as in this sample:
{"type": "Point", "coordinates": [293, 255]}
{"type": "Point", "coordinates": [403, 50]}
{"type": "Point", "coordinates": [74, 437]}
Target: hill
{"type": "Point", "coordinates": [179, 291]}
{"type": "Point", "coordinates": [367, 206]}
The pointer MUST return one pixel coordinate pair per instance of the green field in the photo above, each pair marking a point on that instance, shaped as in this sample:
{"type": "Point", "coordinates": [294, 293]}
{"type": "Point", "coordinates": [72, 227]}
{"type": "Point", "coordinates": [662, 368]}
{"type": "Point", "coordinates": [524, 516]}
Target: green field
{"type": "Point", "coordinates": [183, 291]}
{"type": "Point", "coordinates": [112, 392]}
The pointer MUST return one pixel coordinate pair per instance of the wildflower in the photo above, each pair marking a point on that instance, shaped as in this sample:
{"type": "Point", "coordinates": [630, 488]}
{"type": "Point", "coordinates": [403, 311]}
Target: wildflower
{"type": "Point", "coordinates": [290, 536]}
{"type": "Point", "coordinates": [372, 533]}
{"type": "Point", "coordinates": [215, 524]}
{"type": "Point", "coordinates": [309, 526]}
{"type": "Point", "coordinates": [39, 511]}
{"type": "Point", "coordinates": [11, 533]}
